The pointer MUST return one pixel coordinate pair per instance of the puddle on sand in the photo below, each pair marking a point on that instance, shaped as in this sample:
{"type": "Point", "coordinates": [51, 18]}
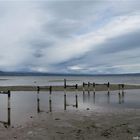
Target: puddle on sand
{"type": "Point", "coordinates": [25, 105]}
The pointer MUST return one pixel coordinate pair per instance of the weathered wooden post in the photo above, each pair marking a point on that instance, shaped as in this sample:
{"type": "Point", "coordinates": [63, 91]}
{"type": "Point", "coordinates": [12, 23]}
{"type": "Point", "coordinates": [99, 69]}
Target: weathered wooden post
{"type": "Point", "coordinates": [76, 97]}
{"type": "Point", "coordinates": [83, 88]}
{"type": "Point", "coordinates": [108, 86]}
{"type": "Point", "coordinates": [50, 104]}
{"type": "Point", "coordinates": [94, 88]}
{"type": "Point", "coordinates": [65, 103]}
{"type": "Point", "coordinates": [50, 89]}
{"type": "Point", "coordinates": [122, 87]}
{"type": "Point", "coordinates": [9, 108]}
{"type": "Point", "coordinates": [38, 89]}
{"type": "Point", "coordinates": [88, 87]}
{"type": "Point", "coordinates": [65, 84]}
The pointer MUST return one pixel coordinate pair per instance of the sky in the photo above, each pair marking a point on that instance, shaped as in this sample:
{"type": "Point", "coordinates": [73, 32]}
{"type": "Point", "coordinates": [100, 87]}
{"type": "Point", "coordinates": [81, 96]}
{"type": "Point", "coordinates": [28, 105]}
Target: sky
{"type": "Point", "coordinates": [70, 36]}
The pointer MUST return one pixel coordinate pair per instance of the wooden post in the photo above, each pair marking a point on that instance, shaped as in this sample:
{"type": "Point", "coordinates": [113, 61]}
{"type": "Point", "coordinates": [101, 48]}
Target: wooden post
{"type": "Point", "coordinates": [94, 87]}
{"type": "Point", "coordinates": [65, 104]}
{"type": "Point", "coordinates": [122, 87]}
{"type": "Point", "coordinates": [50, 89]}
{"type": "Point", "coordinates": [65, 84]}
{"type": "Point", "coordinates": [38, 89]}
{"type": "Point", "coordinates": [108, 86]}
{"type": "Point", "coordinates": [83, 87]}
{"type": "Point", "coordinates": [88, 87]}
{"type": "Point", "coordinates": [9, 108]}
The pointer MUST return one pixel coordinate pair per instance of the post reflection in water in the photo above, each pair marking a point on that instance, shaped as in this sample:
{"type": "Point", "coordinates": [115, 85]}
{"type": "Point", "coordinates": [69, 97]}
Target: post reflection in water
{"type": "Point", "coordinates": [76, 97]}
{"type": "Point", "coordinates": [121, 97]}
{"type": "Point", "coordinates": [83, 96]}
{"type": "Point", "coordinates": [108, 97]}
{"type": "Point", "coordinates": [65, 104]}
{"type": "Point", "coordinates": [88, 95]}
{"type": "Point", "coordinates": [50, 104]}
{"type": "Point", "coordinates": [94, 97]}
{"type": "Point", "coordinates": [38, 102]}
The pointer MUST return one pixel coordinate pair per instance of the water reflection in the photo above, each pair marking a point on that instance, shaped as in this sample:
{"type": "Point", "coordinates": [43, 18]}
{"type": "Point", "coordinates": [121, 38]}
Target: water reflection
{"type": "Point", "coordinates": [121, 97]}
{"type": "Point", "coordinates": [108, 97]}
{"type": "Point", "coordinates": [38, 103]}
{"type": "Point", "coordinates": [33, 103]}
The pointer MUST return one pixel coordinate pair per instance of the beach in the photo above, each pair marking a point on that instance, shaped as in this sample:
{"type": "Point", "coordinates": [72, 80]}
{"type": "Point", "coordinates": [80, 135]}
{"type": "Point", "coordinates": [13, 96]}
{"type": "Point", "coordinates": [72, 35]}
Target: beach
{"type": "Point", "coordinates": [102, 113]}
{"type": "Point", "coordinates": [87, 125]}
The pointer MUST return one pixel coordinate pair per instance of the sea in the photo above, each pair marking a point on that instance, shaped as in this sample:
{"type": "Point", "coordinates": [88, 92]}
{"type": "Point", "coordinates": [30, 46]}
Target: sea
{"type": "Point", "coordinates": [59, 80]}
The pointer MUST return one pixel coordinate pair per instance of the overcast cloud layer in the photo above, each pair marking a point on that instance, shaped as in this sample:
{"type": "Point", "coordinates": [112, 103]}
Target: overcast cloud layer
{"type": "Point", "coordinates": [77, 36]}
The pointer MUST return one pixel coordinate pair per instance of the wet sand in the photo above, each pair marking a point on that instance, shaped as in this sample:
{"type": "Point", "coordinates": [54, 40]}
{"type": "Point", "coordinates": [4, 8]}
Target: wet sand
{"type": "Point", "coordinates": [122, 124]}
{"type": "Point", "coordinates": [99, 87]}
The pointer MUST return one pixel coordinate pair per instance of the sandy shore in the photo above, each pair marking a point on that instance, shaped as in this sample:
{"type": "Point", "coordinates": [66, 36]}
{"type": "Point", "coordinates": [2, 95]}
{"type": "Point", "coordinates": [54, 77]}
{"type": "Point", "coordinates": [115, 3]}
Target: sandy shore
{"type": "Point", "coordinates": [113, 124]}
{"type": "Point", "coordinates": [99, 87]}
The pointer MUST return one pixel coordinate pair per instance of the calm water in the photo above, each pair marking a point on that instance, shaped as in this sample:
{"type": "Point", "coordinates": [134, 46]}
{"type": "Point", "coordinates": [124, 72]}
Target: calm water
{"type": "Point", "coordinates": [58, 80]}
{"type": "Point", "coordinates": [27, 104]}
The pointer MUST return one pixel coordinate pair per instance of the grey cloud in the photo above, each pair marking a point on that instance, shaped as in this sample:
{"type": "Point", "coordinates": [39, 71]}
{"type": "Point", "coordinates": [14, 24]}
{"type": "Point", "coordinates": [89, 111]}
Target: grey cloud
{"type": "Point", "coordinates": [121, 43]}
{"type": "Point", "coordinates": [44, 36]}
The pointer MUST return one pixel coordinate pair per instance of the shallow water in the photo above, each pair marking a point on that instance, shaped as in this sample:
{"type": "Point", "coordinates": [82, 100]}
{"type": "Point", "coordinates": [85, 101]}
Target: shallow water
{"type": "Point", "coordinates": [25, 105]}
{"type": "Point", "coordinates": [58, 80]}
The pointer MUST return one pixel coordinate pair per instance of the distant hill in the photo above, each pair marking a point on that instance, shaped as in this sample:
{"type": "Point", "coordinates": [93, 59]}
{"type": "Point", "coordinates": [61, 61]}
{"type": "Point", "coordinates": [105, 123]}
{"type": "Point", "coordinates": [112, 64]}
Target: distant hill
{"type": "Point", "coordinates": [59, 74]}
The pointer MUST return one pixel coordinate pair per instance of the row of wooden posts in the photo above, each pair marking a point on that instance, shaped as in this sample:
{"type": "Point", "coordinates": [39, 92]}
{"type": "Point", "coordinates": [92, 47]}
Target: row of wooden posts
{"type": "Point", "coordinates": [88, 84]}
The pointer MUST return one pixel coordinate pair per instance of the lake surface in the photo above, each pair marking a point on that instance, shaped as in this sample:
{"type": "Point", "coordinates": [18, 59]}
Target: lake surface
{"type": "Point", "coordinates": [58, 80]}
{"type": "Point", "coordinates": [25, 105]}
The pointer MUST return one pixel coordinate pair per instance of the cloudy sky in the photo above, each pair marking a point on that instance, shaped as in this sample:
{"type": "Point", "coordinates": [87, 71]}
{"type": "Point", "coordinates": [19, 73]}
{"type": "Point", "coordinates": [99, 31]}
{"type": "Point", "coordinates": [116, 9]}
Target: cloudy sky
{"type": "Point", "coordinates": [70, 36]}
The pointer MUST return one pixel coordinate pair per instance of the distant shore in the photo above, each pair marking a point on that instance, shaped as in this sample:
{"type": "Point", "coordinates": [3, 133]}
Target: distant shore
{"type": "Point", "coordinates": [99, 87]}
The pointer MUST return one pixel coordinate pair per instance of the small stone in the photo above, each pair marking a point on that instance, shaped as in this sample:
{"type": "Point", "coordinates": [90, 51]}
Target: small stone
{"type": "Point", "coordinates": [15, 137]}
{"type": "Point", "coordinates": [57, 119]}
{"type": "Point", "coordinates": [88, 109]}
